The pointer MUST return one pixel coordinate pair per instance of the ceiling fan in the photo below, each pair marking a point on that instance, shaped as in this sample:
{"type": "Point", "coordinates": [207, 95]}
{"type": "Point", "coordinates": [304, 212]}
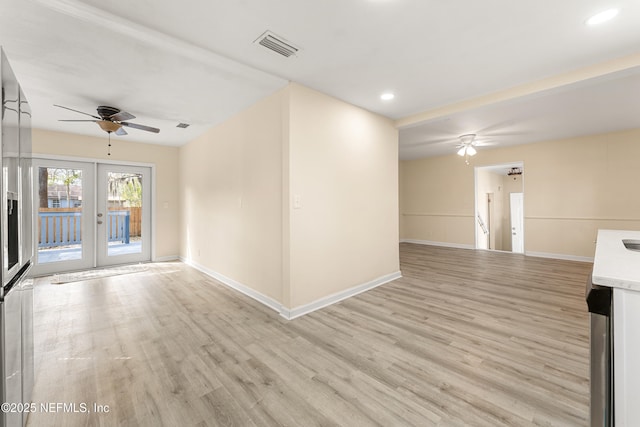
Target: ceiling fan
{"type": "Point", "coordinates": [441, 137]}
{"type": "Point", "coordinates": [466, 148]}
{"type": "Point", "coordinates": [111, 119]}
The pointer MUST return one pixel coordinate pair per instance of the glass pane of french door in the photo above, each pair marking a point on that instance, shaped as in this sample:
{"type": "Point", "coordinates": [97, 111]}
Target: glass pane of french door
{"type": "Point", "coordinates": [63, 194]}
{"type": "Point", "coordinates": [123, 217]}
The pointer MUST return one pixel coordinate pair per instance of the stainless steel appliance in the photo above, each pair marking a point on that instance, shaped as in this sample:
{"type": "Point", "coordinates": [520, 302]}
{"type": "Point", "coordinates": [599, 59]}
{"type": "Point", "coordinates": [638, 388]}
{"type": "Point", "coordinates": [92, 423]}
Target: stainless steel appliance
{"type": "Point", "coordinates": [16, 250]}
{"type": "Point", "coordinates": [599, 300]}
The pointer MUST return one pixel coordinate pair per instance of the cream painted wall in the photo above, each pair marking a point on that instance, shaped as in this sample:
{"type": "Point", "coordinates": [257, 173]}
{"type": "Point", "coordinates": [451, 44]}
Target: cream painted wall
{"type": "Point", "coordinates": [573, 187]}
{"type": "Point", "coordinates": [438, 200]}
{"type": "Point", "coordinates": [231, 197]}
{"type": "Point", "coordinates": [239, 181]}
{"type": "Point", "coordinates": [164, 158]}
{"type": "Point", "coordinates": [343, 166]}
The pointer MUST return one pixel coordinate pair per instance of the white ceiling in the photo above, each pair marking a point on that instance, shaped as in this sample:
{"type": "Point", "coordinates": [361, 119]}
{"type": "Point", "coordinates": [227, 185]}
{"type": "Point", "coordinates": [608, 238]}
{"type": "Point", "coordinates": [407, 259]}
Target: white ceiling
{"type": "Point", "coordinates": [194, 61]}
{"type": "Point", "coordinates": [598, 105]}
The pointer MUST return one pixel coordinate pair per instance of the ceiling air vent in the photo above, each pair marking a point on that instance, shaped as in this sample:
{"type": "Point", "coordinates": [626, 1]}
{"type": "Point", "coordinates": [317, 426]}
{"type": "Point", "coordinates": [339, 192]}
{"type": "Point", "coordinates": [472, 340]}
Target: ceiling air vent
{"type": "Point", "coordinates": [182, 125]}
{"type": "Point", "coordinates": [277, 44]}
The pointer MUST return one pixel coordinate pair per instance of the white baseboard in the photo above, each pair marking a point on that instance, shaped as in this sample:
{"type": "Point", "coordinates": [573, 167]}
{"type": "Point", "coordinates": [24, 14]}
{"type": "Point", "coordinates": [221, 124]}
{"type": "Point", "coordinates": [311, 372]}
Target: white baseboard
{"type": "Point", "coordinates": [291, 314]}
{"type": "Point", "coordinates": [444, 244]}
{"type": "Point", "coordinates": [559, 256]}
{"type": "Point", "coordinates": [261, 298]}
{"type": "Point", "coordinates": [285, 312]}
{"type": "Point", "coordinates": [166, 258]}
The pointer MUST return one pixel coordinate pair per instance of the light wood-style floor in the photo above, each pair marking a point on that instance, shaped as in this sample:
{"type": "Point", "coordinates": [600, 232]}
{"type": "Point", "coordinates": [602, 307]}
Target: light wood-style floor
{"type": "Point", "coordinates": [465, 338]}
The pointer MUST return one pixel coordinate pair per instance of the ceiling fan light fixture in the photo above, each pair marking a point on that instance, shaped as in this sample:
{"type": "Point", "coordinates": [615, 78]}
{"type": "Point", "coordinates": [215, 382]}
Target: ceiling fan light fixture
{"type": "Point", "coordinates": [461, 151]}
{"type": "Point", "coordinates": [108, 126]}
{"type": "Point", "coordinates": [471, 151]}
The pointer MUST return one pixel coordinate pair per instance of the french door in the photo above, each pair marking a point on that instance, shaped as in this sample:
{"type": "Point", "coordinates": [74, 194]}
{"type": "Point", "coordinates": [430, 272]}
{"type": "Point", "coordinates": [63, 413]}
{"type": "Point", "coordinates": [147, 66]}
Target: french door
{"type": "Point", "coordinates": [90, 215]}
{"type": "Point", "coordinates": [123, 223]}
{"type": "Point", "coordinates": [64, 234]}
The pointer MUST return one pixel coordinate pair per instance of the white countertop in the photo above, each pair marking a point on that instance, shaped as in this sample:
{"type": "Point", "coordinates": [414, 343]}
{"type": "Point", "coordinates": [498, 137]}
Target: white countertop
{"type": "Point", "coordinates": [614, 265]}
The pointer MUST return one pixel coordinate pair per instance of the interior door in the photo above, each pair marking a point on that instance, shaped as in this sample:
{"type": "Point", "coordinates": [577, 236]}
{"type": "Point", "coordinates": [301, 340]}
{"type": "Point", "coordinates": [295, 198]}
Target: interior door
{"type": "Point", "coordinates": [517, 222]}
{"type": "Point", "coordinates": [123, 216]}
{"type": "Point", "coordinates": [64, 192]}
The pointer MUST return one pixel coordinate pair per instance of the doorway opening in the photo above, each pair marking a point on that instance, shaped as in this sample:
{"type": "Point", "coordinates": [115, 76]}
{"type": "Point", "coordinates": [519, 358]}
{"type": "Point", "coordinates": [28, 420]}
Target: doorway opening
{"type": "Point", "coordinates": [500, 207]}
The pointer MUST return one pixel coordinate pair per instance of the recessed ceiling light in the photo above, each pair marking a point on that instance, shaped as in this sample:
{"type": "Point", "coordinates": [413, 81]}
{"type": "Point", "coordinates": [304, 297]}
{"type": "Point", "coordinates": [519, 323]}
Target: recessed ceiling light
{"type": "Point", "coordinates": [601, 17]}
{"type": "Point", "coordinates": [387, 96]}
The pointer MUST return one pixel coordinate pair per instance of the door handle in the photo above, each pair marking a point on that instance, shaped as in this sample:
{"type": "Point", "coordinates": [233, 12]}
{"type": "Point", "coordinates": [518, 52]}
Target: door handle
{"type": "Point", "coordinates": [99, 222]}
{"type": "Point", "coordinates": [99, 215]}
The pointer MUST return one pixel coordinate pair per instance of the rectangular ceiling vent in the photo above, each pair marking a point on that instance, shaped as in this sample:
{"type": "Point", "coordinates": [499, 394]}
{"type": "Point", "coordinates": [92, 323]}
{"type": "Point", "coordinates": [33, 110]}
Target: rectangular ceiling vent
{"type": "Point", "coordinates": [277, 44]}
{"type": "Point", "coordinates": [182, 125]}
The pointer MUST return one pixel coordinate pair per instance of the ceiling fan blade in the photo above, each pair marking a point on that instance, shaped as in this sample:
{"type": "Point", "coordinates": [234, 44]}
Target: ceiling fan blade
{"type": "Point", "coordinates": [431, 143]}
{"type": "Point", "coordinates": [141, 127]}
{"type": "Point", "coordinates": [81, 112]}
{"type": "Point", "coordinates": [122, 116]}
{"type": "Point", "coordinates": [93, 121]}
{"type": "Point", "coordinates": [121, 132]}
